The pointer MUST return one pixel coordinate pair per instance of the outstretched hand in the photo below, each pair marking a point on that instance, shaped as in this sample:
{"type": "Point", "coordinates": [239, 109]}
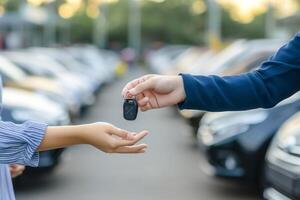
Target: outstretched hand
{"type": "Point", "coordinates": [104, 136]}
{"type": "Point", "coordinates": [155, 91]}
{"type": "Point", "coordinates": [111, 139]}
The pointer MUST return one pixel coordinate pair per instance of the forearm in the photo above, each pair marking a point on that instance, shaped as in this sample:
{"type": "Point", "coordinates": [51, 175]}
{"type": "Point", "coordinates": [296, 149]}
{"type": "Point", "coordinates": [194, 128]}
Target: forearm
{"type": "Point", "coordinates": [263, 88]}
{"type": "Point", "coordinates": [62, 136]}
{"type": "Point", "coordinates": [20, 143]}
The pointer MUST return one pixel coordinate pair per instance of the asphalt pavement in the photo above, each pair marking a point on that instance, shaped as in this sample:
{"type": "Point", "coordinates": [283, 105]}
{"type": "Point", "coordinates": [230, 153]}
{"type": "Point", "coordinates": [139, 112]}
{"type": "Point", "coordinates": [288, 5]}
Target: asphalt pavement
{"type": "Point", "coordinates": [170, 170]}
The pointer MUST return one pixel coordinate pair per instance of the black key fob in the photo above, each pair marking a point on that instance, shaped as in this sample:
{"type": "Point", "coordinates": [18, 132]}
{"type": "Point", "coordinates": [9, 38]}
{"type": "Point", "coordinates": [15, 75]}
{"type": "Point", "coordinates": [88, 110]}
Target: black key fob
{"type": "Point", "coordinates": [130, 109]}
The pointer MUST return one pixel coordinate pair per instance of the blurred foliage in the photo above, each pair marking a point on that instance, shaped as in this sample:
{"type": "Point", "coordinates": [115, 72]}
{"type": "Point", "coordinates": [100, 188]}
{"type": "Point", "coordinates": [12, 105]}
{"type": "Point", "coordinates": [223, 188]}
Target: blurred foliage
{"type": "Point", "coordinates": [172, 21]}
{"type": "Point", "coordinates": [81, 28]}
{"type": "Point", "coordinates": [11, 5]}
{"type": "Point", "coordinates": [232, 29]}
{"type": "Point", "coordinates": [118, 22]}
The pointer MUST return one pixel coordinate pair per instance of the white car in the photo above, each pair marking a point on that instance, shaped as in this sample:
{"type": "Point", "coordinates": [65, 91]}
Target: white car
{"type": "Point", "coordinates": [42, 65]}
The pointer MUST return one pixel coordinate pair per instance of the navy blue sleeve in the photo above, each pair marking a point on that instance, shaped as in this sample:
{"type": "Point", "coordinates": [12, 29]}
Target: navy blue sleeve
{"type": "Point", "coordinates": [276, 79]}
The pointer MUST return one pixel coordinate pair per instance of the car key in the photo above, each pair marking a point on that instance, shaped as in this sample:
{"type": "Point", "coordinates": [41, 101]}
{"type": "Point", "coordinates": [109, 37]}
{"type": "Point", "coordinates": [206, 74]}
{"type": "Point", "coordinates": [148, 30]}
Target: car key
{"type": "Point", "coordinates": [130, 109]}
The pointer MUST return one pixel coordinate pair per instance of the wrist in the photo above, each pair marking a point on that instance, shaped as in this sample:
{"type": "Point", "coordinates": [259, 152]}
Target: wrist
{"type": "Point", "coordinates": [60, 137]}
{"type": "Point", "coordinates": [81, 134]}
{"type": "Point", "coordinates": [180, 89]}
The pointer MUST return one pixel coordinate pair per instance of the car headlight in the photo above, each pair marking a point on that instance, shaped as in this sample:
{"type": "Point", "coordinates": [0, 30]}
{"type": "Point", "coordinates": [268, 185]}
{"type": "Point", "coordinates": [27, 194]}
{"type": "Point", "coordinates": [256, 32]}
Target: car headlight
{"type": "Point", "coordinates": [225, 126]}
{"type": "Point", "coordinates": [285, 146]}
{"type": "Point", "coordinates": [209, 136]}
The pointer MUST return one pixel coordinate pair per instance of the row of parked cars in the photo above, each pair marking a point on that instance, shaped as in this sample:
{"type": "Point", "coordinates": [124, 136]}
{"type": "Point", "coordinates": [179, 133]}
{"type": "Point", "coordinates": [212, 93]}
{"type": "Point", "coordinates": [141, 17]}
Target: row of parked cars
{"type": "Point", "coordinates": [53, 85]}
{"type": "Point", "coordinates": [260, 147]}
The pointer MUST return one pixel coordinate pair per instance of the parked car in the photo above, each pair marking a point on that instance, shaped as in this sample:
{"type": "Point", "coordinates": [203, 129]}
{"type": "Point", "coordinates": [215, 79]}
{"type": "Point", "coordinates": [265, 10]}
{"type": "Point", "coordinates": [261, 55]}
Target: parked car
{"type": "Point", "coordinates": [72, 65]}
{"type": "Point", "coordinates": [162, 59]}
{"type": "Point", "coordinates": [283, 163]}
{"type": "Point", "coordinates": [186, 59]}
{"type": "Point", "coordinates": [13, 76]}
{"type": "Point", "coordinates": [76, 82]}
{"type": "Point", "coordinates": [234, 144]}
{"type": "Point", "coordinates": [19, 106]}
{"type": "Point", "coordinates": [76, 93]}
{"type": "Point", "coordinates": [244, 57]}
{"type": "Point", "coordinates": [103, 62]}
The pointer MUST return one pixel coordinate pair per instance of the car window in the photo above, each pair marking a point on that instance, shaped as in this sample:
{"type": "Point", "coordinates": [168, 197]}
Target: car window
{"type": "Point", "coordinates": [10, 70]}
{"type": "Point", "coordinates": [4, 78]}
{"type": "Point", "coordinates": [33, 69]}
{"type": "Point", "coordinates": [23, 67]}
{"type": "Point", "coordinates": [247, 63]}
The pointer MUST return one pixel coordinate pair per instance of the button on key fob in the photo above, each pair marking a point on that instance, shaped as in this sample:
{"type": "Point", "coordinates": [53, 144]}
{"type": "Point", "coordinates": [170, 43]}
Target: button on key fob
{"type": "Point", "coordinates": [130, 109]}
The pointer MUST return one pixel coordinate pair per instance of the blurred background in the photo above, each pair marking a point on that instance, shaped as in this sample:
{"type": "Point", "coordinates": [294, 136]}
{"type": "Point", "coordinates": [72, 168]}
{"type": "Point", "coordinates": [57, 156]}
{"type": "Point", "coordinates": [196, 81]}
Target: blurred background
{"type": "Point", "coordinates": [66, 61]}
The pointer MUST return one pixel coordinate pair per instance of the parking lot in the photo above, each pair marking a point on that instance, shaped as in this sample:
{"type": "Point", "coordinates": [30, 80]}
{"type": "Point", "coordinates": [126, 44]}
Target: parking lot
{"type": "Point", "coordinates": [169, 170]}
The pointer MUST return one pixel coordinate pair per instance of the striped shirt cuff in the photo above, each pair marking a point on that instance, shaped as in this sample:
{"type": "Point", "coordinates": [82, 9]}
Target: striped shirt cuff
{"type": "Point", "coordinates": [34, 133]}
{"type": "Point", "coordinates": [19, 142]}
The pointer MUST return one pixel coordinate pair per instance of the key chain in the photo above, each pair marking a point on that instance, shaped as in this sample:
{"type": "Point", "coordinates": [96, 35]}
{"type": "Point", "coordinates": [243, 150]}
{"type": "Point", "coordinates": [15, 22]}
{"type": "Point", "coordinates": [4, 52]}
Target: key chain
{"type": "Point", "coordinates": [130, 109]}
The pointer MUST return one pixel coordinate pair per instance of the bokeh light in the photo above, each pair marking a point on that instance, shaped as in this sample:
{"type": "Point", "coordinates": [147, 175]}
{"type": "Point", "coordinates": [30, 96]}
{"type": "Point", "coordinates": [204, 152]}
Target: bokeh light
{"type": "Point", "coordinates": [92, 11]}
{"type": "Point", "coordinates": [246, 10]}
{"type": "Point", "coordinates": [2, 10]}
{"type": "Point", "coordinates": [198, 7]}
{"type": "Point", "coordinates": [39, 2]}
{"type": "Point", "coordinates": [66, 11]}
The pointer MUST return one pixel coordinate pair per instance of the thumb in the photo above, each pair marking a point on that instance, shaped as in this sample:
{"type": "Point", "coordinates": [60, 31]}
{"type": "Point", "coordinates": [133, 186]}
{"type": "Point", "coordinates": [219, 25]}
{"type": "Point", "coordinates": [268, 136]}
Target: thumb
{"type": "Point", "coordinates": [142, 87]}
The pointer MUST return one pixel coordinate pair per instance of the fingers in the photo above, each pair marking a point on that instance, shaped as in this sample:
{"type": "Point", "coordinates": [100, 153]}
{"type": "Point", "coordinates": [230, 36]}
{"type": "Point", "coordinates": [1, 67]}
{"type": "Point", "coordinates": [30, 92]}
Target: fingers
{"type": "Point", "coordinates": [141, 148]}
{"type": "Point", "coordinates": [16, 170]}
{"type": "Point", "coordinates": [143, 102]}
{"type": "Point", "coordinates": [146, 107]}
{"type": "Point", "coordinates": [141, 87]}
{"type": "Point", "coordinates": [137, 138]}
{"type": "Point", "coordinates": [121, 133]}
{"type": "Point", "coordinates": [137, 86]}
{"type": "Point", "coordinates": [128, 87]}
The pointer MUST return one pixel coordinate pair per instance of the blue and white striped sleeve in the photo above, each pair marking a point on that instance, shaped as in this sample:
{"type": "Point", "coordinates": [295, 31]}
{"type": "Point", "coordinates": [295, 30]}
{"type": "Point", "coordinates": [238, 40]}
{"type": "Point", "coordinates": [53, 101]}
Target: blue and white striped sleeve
{"type": "Point", "coordinates": [19, 142]}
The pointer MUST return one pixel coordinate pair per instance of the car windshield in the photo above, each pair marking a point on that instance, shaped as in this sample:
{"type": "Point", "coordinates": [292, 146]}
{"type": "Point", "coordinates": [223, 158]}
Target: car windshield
{"type": "Point", "coordinates": [217, 61]}
{"type": "Point", "coordinates": [10, 70]}
{"type": "Point", "coordinates": [34, 69]}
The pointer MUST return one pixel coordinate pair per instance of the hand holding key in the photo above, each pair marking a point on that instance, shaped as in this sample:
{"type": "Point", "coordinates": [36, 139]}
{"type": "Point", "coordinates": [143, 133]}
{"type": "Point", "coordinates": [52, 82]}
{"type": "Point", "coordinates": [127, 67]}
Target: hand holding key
{"type": "Point", "coordinates": [155, 91]}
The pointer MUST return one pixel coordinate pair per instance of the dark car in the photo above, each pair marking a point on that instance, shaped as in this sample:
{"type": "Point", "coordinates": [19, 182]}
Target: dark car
{"type": "Point", "coordinates": [283, 163]}
{"type": "Point", "coordinates": [235, 143]}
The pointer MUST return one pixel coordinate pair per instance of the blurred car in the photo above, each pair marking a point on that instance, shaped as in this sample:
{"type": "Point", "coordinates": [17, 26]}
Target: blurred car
{"type": "Point", "coordinates": [76, 92]}
{"type": "Point", "coordinates": [13, 76]}
{"type": "Point", "coordinates": [187, 59]}
{"type": "Point", "coordinates": [102, 62]}
{"type": "Point", "coordinates": [239, 58]}
{"type": "Point", "coordinates": [234, 144]}
{"type": "Point", "coordinates": [75, 81]}
{"type": "Point", "coordinates": [283, 163]}
{"type": "Point", "coordinates": [200, 60]}
{"type": "Point", "coordinates": [72, 65]}
{"type": "Point", "coordinates": [19, 106]}
{"type": "Point", "coordinates": [162, 59]}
